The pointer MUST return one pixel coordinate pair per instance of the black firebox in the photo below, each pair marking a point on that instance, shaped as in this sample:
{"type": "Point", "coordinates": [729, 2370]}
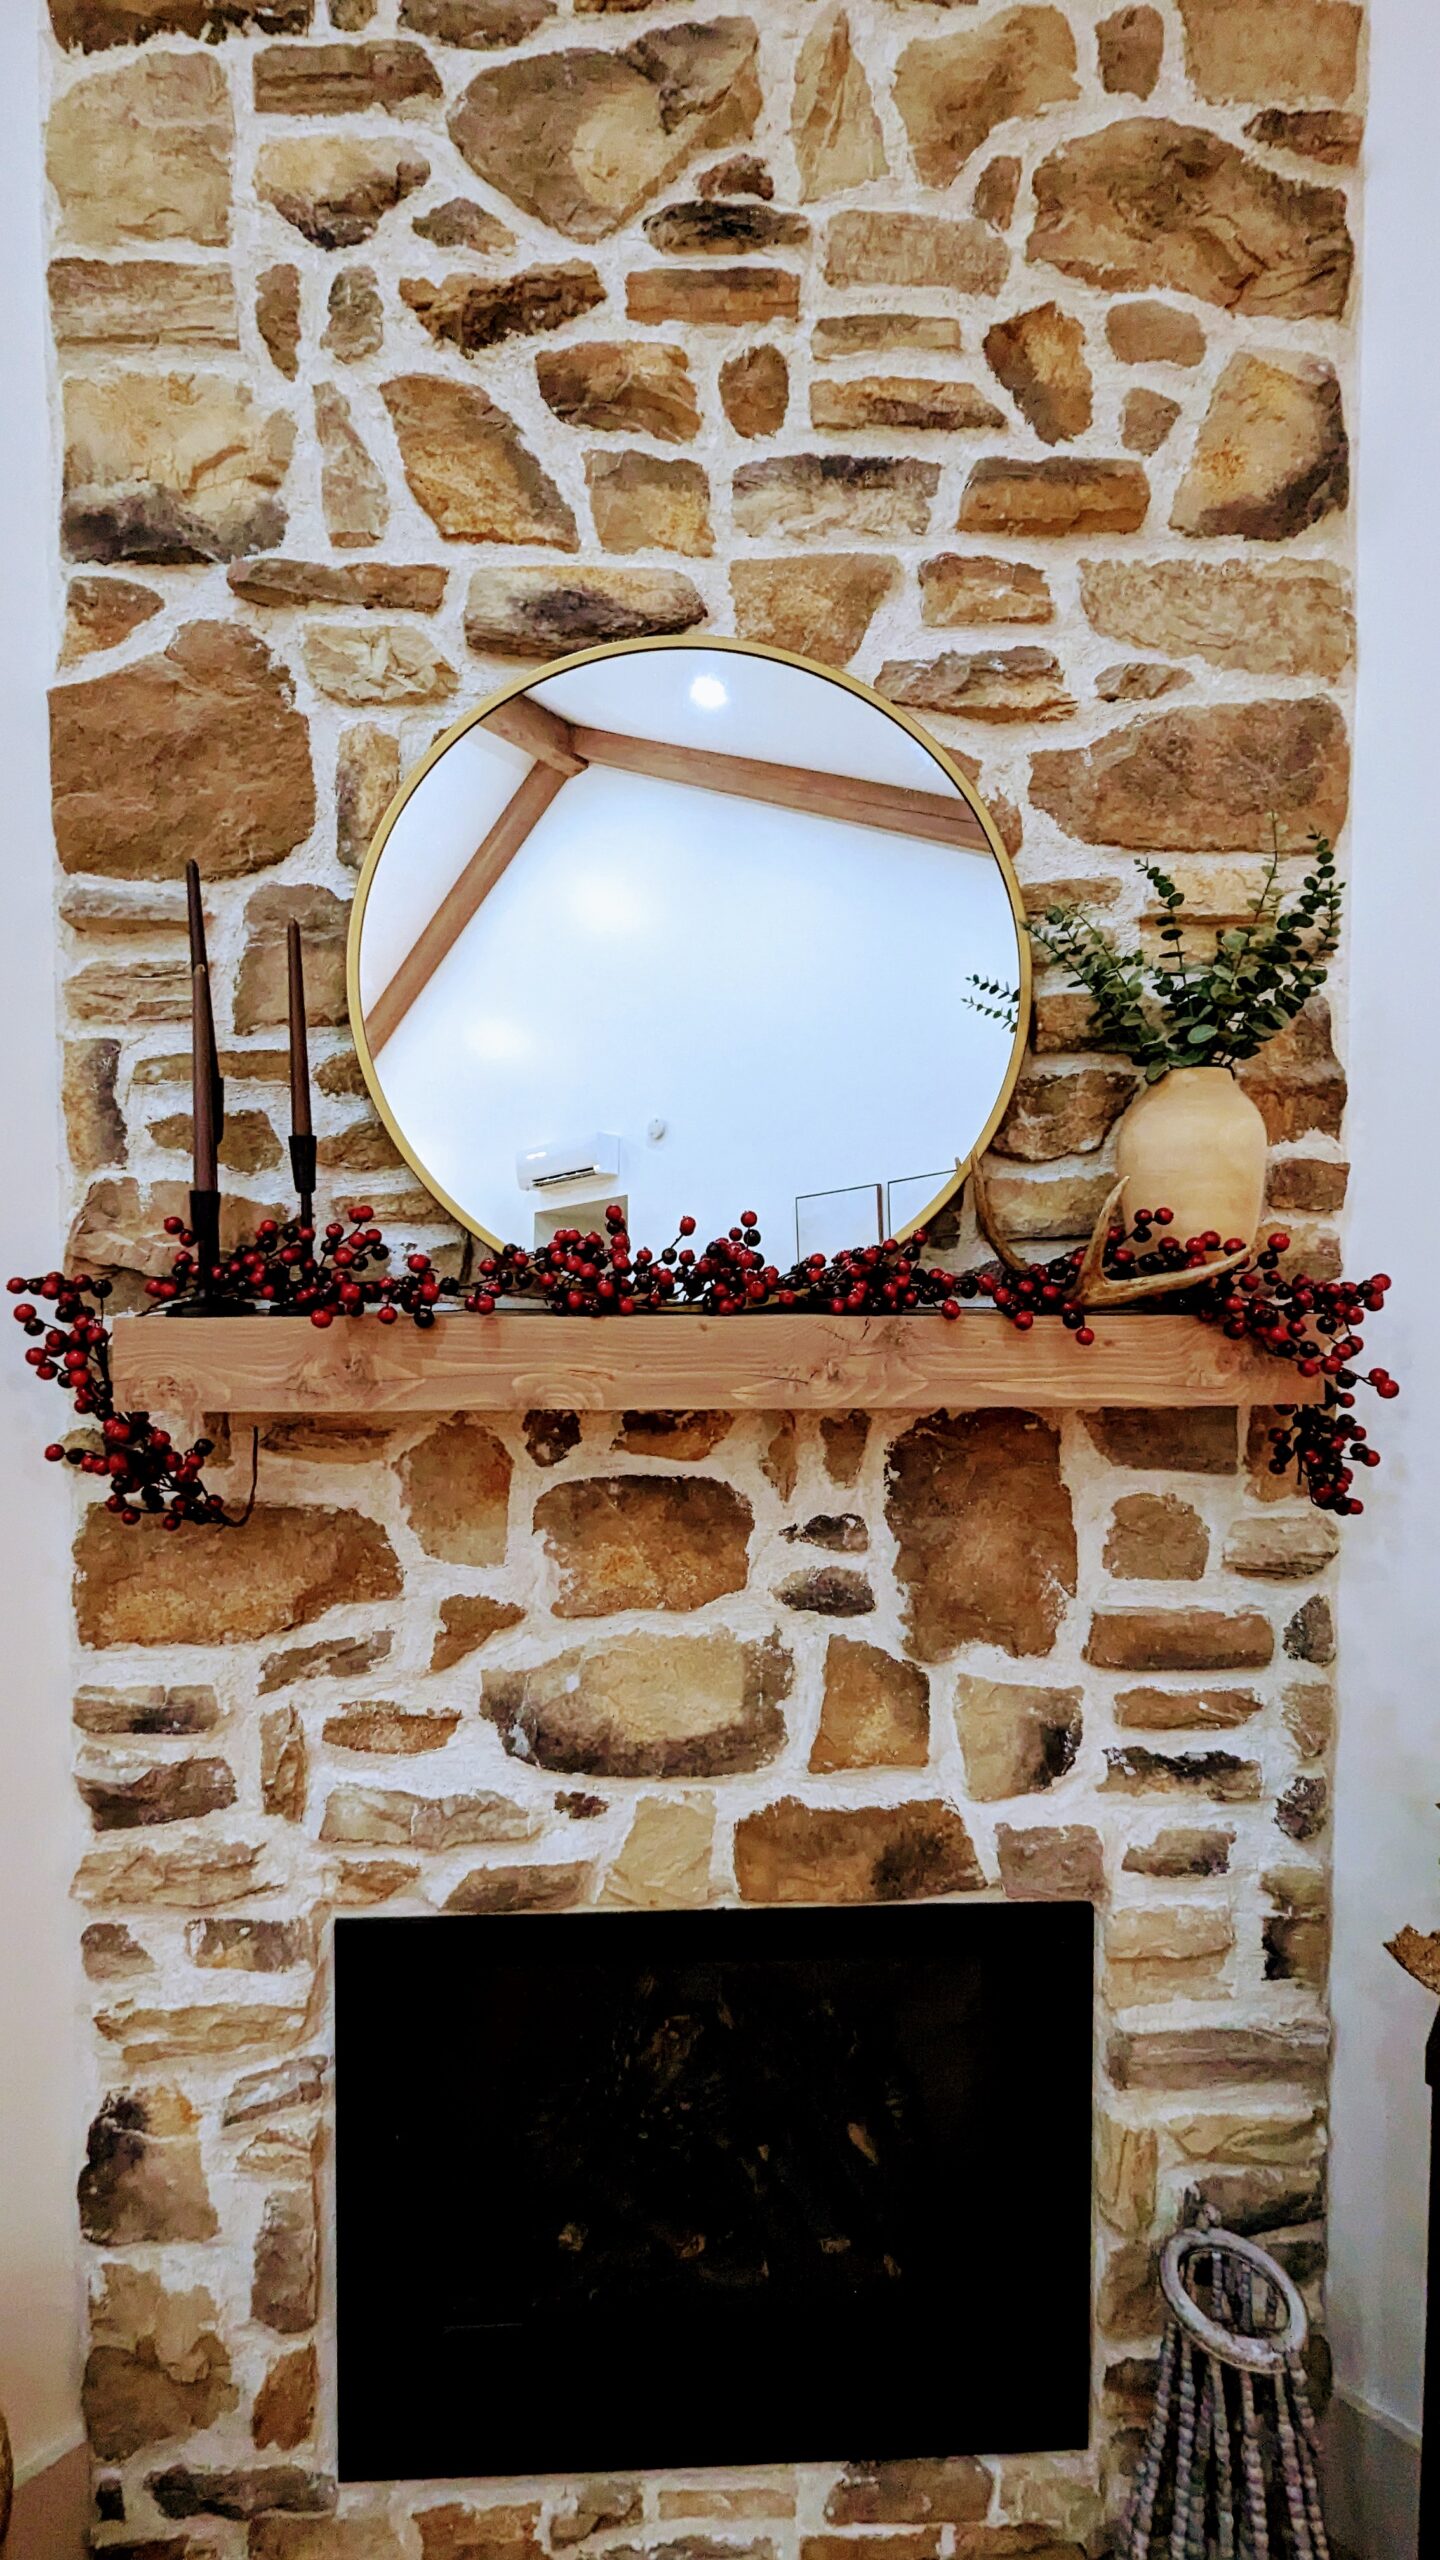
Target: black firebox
{"type": "Point", "coordinates": [620, 2191]}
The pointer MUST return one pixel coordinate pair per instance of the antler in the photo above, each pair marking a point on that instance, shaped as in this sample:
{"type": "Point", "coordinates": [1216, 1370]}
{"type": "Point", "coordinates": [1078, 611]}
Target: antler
{"type": "Point", "coordinates": [1092, 1289]}
{"type": "Point", "coordinates": [985, 1221]}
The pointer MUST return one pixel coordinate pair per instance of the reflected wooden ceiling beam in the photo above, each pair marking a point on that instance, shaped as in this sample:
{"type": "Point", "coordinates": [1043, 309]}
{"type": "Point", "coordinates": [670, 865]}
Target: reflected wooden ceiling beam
{"type": "Point", "coordinates": [886, 805]}
{"type": "Point", "coordinates": [527, 724]}
{"type": "Point", "coordinates": [489, 860]}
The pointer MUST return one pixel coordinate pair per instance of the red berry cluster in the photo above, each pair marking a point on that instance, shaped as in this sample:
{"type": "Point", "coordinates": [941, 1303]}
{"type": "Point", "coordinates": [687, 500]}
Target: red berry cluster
{"type": "Point", "coordinates": [145, 1471]}
{"type": "Point", "coordinates": [1310, 1323]}
{"type": "Point", "coordinates": [594, 1275]}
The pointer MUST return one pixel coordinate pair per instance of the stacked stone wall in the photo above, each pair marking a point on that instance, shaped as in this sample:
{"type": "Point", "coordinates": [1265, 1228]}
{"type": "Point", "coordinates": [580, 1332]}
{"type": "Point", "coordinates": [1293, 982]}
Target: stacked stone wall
{"type": "Point", "coordinates": [1000, 354]}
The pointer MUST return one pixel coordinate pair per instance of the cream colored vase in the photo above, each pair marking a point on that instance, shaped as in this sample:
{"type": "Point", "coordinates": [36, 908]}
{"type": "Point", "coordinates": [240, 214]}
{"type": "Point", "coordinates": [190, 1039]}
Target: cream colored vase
{"type": "Point", "coordinates": [1195, 1143]}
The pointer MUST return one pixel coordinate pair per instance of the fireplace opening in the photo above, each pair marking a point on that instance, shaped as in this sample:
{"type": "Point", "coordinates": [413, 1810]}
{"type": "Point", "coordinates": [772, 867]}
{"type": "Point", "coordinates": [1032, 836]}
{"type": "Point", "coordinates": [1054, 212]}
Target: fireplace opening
{"type": "Point", "coordinates": [673, 2190]}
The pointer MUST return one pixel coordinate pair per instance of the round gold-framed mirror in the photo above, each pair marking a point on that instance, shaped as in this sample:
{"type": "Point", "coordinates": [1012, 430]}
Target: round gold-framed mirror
{"type": "Point", "coordinates": [693, 925]}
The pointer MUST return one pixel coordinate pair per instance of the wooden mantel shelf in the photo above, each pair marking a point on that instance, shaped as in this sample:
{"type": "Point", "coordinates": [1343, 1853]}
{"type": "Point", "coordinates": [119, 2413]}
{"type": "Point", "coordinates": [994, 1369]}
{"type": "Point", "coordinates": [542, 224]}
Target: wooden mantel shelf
{"type": "Point", "coordinates": [262, 1365]}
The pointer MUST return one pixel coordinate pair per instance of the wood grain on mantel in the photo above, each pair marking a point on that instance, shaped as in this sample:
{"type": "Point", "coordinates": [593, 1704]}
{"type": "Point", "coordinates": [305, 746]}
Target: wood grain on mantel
{"type": "Point", "coordinates": [258, 1365]}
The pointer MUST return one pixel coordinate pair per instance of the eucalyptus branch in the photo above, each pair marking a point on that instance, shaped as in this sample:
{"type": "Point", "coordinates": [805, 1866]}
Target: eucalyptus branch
{"type": "Point", "coordinates": [1179, 1012]}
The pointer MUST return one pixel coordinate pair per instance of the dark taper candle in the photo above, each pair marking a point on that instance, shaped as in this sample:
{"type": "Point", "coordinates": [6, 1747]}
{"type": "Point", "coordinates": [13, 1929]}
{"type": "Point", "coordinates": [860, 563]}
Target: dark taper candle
{"type": "Point", "coordinates": [202, 1080]}
{"type": "Point", "coordinates": [300, 1121]}
{"type": "Point", "coordinates": [302, 1133]}
{"type": "Point", "coordinates": [200, 959]}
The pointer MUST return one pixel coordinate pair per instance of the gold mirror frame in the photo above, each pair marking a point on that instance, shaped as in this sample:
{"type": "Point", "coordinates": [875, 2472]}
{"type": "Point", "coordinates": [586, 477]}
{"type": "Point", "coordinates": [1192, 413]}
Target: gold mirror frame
{"type": "Point", "coordinates": [632, 648]}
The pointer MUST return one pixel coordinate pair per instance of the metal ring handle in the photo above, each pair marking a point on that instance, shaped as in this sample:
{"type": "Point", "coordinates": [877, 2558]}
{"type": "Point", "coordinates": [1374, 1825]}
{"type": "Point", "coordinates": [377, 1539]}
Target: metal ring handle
{"type": "Point", "coordinates": [1248, 2355]}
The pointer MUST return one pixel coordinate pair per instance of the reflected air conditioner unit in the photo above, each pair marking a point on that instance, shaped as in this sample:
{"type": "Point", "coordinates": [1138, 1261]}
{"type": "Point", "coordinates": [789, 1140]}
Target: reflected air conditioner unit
{"type": "Point", "coordinates": [595, 1159]}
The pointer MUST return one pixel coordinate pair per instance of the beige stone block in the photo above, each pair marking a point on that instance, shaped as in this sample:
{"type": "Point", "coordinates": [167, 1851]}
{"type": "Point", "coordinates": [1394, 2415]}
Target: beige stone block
{"type": "Point", "coordinates": [1126, 2169]}
{"type": "Point", "coordinates": [342, 79]}
{"type": "Point", "coordinates": [1219, 1775]}
{"type": "Point", "coordinates": [581, 139]}
{"type": "Point", "coordinates": [473, 312]}
{"type": "Point", "coordinates": [1039, 356]}
{"type": "Point", "coordinates": [1174, 1854]}
{"type": "Point", "coordinates": [1155, 1537]}
{"type": "Point", "coordinates": [1289, 621]}
{"type": "Point", "coordinates": [190, 1876]}
{"type": "Point", "coordinates": [284, 2411]}
{"type": "Point", "coordinates": [336, 188]}
{"type": "Point", "coordinates": [1301, 50]}
{"type": "Point", "coordinates": [390, 663]}
{"type": "Point", "coordinates": [459, 224]}
{"type": "Point", "coordinates": [1146, 421]}
{"type": "Point", "coordinates": [170, 468]}
{"type": "Point", "coordinates": [819, 608]}
{"type": "Point", "coordinates": [960, 588]}
{"type": "Point", "coordinates": [285, 2292]}
{"type": "Point", "coordinates": [1282, 1547]}
{"type": "Point", "coordinates": [754, 391]}
{"type": "Point", "coordinates": [529, 1888]}
{"type": "Point", "coordinates": [456, 1483]}
{"type": "Point", "coordinates": [277, 317]}
{"type": "Point", "coordinates": [839, 334]}
{"type": "Point", "coordinates": [143, 152]}
{"type": "Point", "coordinates": [1131, 45]}
{"type": "Point", "coordinates": [644, 1542]}
{"type": "Point", "coordinates": [1154, 333]}
{"type": "Point", "coordinates": [797, 1852]}
{"type": "Point", "coordinates": [101, 612]}
{"type": "Point", "coordinates": [261, 989]}
{"type": "Point", "coordinates": [665, 1862]}
{"type": "Point", "coordinates": [983, 1526]}
{"type": "Point", "coordinates": [1054, 1862]}
{"type": "Point", "coordinates": [156, 2368]}
{"type": "Point", "coordinates": [833, 124]}
{"type": "Point", "coordinates": [355, 325]}
{"type": "Point", "coordinates": [200, 2031]}
{"type": "Point", "coordinates": [953, 90]}
{"type": "Point", "coordinates": [544, 613]}
{"type": "Point", "coordinates": [387, 1817]}
{"type": "Point", "coordinates": [956, 2491]}
{"type": "Point", "coordinates": [367, 776]}
{"type": "Point", "coordinates": [913, 249]}
{"type": "Point", "coordinates": [1272, 456]}
{"type": "Point", "coordinates": [141, 302]}
{"type": "Point", "coordinates": [1148, 205]}
{"type": "Point", "coordinates": [1017, 1740]}
{"type": "Point", "coordinates": [215, 757]}
{"type": "Point", "coordinates": [646, 1707]}
{"type": "Point", "coordinates": [712, 297]}
{"type": "Point", "coordinates": [915, 402]}
{"type": "Point", "coordinates": [144, 2179]}
{"type": "Point", "coordinates": [1051, 499]}
{"type": "Point", "coordinates": [381, 1726]}
{"type": "Point", "coordinates": [138, 1587]}
{"type": "Point", "coordinates": [1185, 1710]}
{"type": "Point", "coordinates": [875, 1713]}
{"type": "Point", "coordinates": [468, 1621]}
{"type": "Point", "coordinates": [641, 502]}
{"type": "Point", "coordinates": [1194, 780]}
{"type": "Point", "coordinates": [1214, 2057]}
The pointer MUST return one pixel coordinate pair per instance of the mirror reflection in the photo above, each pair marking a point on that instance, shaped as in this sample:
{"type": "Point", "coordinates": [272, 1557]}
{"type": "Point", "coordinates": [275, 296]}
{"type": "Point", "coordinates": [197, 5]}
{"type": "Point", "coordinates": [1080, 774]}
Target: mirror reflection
{"type": "Point", "coordinates": [693, 929]}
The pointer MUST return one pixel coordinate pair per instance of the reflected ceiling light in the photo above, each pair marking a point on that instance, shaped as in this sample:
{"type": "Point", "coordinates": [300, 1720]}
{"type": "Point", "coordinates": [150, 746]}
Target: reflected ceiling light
{"type": "Point", "coordinates": [493, 1038]}
{"type": "Point", "coordinates": [607, 905]}
{"type": "Point", "coordinates": [708, 694]}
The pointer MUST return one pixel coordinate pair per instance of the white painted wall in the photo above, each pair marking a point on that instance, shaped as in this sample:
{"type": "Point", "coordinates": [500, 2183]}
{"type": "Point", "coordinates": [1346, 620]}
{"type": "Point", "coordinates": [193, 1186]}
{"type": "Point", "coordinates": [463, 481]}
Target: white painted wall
{"type": "Point", "coordinates": [39, 2042]}
{"type": "Point", "coordinates": [1387, 1839]}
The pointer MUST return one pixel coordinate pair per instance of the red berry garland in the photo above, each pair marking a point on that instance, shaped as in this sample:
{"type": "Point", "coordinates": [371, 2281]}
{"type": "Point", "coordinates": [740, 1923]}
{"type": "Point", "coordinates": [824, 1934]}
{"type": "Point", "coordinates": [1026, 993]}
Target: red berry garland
{"type": "Point", "coordinates": [1310, 1323]}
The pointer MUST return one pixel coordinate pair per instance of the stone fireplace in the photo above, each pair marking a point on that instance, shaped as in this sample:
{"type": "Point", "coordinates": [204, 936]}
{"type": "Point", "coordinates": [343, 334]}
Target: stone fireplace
{"type": "Point", "coordinates": [741, 1668]}
{"type": "Point", "coordinates": [677, 2190]}
{"type": "Point", "coordinates": [347, 437]}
